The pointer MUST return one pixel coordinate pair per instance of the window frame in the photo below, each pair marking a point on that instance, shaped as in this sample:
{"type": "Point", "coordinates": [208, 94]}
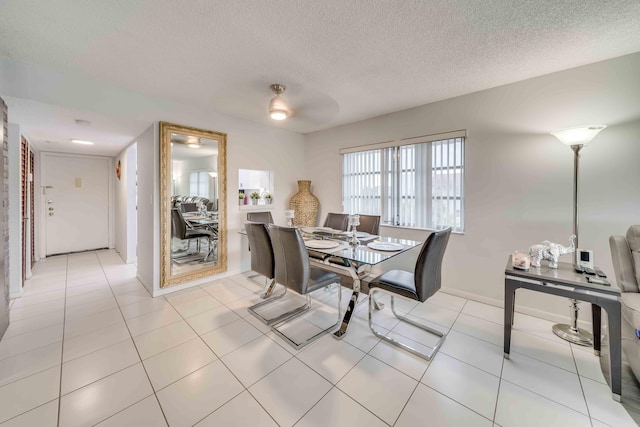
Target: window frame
{"type": "Point", "coordinates": [393, 171]}
{"type": "Point", "coordinates": [198, 181]}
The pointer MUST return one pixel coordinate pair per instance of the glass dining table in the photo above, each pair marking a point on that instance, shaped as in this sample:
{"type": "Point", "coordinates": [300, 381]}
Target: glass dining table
{"type": "Point", "coordinates": [341, 255]}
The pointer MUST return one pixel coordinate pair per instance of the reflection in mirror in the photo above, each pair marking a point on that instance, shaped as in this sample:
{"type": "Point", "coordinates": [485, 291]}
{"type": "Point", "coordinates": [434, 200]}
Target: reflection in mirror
{"type": "Point", "coordinates": [193, 188]}
{"type": "Point", "coordinates": [255, 187]}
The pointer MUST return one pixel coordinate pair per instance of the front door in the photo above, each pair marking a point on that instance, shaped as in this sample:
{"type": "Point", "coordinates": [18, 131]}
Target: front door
{"type": "Point", "coordinates": [76, 202]}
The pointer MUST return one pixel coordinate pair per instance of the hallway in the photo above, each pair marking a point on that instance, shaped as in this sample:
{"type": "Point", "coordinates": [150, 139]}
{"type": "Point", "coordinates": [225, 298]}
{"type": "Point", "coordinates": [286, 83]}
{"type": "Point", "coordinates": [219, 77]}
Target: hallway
{"type": "Point", "coordinates": [196, 356]}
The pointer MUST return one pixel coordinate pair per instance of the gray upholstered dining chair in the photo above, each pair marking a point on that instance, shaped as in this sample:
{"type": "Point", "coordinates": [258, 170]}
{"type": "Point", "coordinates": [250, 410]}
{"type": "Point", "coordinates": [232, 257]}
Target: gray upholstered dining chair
{"type": "Point", "coordinates": [337, 221]}
{"type": "Point", "coordinates": [369, 224]}
{"type": "Point", "coordinates": [263, 217]}
{"type": "Point", "coordinates": [292, 270]}
{"type": "Point", "coordinates": [262, 262]}
{"type": "Point", "coordinates": [418, 286]}
{"type": "Point", "coordinates": [189, 207]}
{"type": "Point", "coordinates": [182, 232]}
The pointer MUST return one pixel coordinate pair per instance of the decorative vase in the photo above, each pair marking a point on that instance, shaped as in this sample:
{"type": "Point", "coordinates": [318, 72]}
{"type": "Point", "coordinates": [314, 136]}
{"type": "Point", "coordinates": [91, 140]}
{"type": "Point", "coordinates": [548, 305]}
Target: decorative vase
{"type": "Point", "coordinates": [305, 205]}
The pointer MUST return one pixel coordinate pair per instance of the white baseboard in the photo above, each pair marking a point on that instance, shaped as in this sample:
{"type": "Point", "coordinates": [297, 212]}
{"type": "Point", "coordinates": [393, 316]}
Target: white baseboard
{"type": "Point", "coordinates": [149, 288]}
{"type": "Point", "coordinates": [552, 317]}
{"type": "Point", "coordinates": [176, 288]}
{"type": "Point", "coordinates": [16, 294]}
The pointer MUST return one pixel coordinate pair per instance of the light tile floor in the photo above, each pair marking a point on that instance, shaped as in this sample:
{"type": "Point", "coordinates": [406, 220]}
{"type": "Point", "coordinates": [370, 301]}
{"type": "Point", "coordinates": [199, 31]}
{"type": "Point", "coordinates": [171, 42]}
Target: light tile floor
{"type": "Point", "coordinates": [87, 345]}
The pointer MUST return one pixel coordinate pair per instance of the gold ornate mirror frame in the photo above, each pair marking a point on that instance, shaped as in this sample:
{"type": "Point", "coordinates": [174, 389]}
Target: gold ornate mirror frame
{"type": "Point", "coordinates": [166, 277]}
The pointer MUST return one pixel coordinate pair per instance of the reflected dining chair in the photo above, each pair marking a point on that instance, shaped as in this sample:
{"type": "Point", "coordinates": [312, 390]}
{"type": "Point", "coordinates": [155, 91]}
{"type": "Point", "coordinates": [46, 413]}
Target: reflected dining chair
{"type": "Point", "coordinates": [189, 207]}
{"type": "Point", "coordinates": [263, 217]}
{"type": "Point", "coordinates": [369, 224]}
{"type": "Point", "coordinates": [337, 221]}
{"type": "Point", "coordinates": [293, 271]}
{"type": "Point", "coordinates": [182, 232]}
{"type": "Point", "coordinates": [417, 286]}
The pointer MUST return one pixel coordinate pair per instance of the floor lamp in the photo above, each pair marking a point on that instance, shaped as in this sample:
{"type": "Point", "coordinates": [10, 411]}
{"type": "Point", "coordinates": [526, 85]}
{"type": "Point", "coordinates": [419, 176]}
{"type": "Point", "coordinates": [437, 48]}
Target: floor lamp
{"type": "Point", "coordinates": [576, 138]}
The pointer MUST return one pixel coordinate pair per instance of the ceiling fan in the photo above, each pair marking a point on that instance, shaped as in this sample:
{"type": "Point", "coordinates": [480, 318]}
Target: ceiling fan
{"type": "Point", "coordinates": [189, 141]}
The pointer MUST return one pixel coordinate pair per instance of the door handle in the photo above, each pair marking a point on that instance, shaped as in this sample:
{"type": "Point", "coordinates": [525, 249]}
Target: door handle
{"type": "Point", "coordinates": [50, 213]}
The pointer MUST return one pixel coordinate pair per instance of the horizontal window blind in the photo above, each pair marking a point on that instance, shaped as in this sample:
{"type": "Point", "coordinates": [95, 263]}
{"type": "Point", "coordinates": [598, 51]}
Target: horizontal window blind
{"type": "Point", "coordinates": [410, 185]}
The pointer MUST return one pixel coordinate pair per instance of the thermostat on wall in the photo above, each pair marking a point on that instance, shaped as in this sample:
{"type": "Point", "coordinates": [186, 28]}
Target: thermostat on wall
{"type": "Point", "coordinates": [585, 258]}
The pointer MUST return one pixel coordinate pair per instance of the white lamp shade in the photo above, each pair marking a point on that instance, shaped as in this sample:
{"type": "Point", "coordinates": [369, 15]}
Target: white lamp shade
{"type": "Point", "coordinates": [578, 135]}
{"type": "Point", "coordinates": [278, 108]}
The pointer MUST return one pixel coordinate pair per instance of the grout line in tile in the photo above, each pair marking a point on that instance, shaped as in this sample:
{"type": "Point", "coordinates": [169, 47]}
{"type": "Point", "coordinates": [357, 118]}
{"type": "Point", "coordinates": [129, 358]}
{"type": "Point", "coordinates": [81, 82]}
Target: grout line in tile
{"type": "Point", "coordinates": [227, 401]}
{"type": "Point", "coordinates": [74, 318]}
{"type": "Point", "coordinates": [99, 379]}
{"type": "Point", "coordinates": [32, 409]}
{"type": "Point", "coordinates": [244, 388]}
{"type": "Point", "coordinates": [545, 397]}
{"type": "Point", "coordinates": [31, 349]}
{"type": "Point", "coordinates": [136, 347]}
{"type": "Point", "coordinates": [584, 396]}
{"type": "Point", "coordinates": [425, 371]}
{"type": "Point", "coordinates": [64, 317]}
{"type": "Point", "coordinates": [27, 376]}
{"type": "Point", "coordinates": [34, 330]}
{"type": "Point", "coordinates": [495, 408]}
{"type": "Point", "coordinates": [296, 356]}
{"type": "Point", "coordinates": [463, 405]}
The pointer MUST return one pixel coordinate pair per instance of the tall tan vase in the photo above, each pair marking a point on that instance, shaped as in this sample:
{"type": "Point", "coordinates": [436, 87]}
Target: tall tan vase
{"type": "Point", "coordinates": [305, 205]}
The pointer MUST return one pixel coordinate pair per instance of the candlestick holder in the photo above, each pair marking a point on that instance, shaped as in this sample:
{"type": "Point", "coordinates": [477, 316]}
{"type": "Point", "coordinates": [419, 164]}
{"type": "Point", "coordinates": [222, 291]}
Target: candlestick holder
{"type": "Point", "coordinates": [289, 214]}
{"type": "Point", "coordinates": [354, 222]}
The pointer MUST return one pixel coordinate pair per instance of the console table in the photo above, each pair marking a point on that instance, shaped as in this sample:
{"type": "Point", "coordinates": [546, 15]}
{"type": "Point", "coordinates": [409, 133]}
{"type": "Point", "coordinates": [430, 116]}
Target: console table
{"type": "Point", "coordinates": [565, 282]}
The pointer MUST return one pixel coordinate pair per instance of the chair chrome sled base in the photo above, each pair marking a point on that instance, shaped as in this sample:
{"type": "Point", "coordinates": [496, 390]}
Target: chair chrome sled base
{"type": "Point", "coordinates": [427, 356]}
{"type": "Point", "coordinates": [269, 298]}
{"type": "Point", "coordinates": [301, 310]}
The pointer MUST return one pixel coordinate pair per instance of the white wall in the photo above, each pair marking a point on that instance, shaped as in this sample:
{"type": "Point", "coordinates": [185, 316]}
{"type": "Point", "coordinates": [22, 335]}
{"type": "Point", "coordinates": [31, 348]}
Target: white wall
{"type": "Point", "coordinates": [132, 203]}
{"type": "Point", "coordinates": [148, 255]}
{"type": "Point", "coordinates": [518, 177]}
{"type": "Point", "coordinates": [120, 198]}
{"type": "Point", "coordinates": [249, 146]}
{"type": "Point", "coordinates": [125, 223]}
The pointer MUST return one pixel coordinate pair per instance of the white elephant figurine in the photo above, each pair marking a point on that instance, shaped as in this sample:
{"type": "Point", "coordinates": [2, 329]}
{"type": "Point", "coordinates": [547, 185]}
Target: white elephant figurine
{"type": "Point", "coordinates": [550, 251]}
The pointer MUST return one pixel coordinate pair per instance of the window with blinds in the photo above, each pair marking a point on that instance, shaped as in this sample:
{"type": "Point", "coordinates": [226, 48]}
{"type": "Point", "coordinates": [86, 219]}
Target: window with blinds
{"type": "Point", "coordinates": [411, 185]}
{"type": "Point", "coordinates": [199, 184]}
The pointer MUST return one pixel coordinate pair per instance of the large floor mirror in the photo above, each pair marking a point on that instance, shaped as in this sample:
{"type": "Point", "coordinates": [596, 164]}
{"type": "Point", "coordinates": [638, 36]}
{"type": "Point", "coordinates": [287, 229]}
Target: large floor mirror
{"type": "Point", "coordinates": [193, 203]}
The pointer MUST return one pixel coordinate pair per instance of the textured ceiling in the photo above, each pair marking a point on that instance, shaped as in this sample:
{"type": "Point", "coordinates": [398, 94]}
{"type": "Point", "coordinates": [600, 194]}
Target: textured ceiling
{"type": "Point", "coordinates": [341, 61]}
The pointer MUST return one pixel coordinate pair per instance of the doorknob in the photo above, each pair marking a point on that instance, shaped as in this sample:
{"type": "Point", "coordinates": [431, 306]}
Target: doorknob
{"type": "Point", "coordinates": [50, 213]}
{"type": "Point", "coordinates": [50, 209]}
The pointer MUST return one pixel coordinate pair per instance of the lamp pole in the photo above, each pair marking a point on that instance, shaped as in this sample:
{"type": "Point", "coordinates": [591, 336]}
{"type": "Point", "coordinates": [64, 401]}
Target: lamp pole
{"type": "Point", "coordinates": [576, 138]}
{"type": "Point", "coordinates": [576, 162]}
{"type": "Point", "coordinates": [572, 332]}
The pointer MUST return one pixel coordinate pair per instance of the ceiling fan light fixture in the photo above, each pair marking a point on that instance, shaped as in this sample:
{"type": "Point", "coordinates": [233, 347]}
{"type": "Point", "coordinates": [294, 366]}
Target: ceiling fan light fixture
{"type": "Point", "coordinates": [278, 109]}
{"type": "Point", "coordinates": [193, 142]}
